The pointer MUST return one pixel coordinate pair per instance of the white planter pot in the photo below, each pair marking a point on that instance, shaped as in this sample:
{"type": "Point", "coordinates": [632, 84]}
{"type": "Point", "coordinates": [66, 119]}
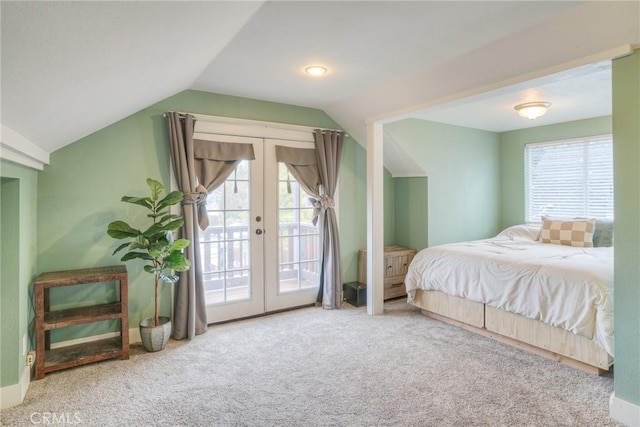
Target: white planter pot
{"type": "Point", "coordinates": [155, 338]}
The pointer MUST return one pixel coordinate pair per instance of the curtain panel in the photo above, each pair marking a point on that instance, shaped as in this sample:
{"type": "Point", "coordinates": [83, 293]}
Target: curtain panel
{"type": "Point", "coordinates": [316, 170]}
{"type": "Point", "coordinates": [301, 163]}
{"type": "Point", "coordinates": [190, 316]}
{"type": "Point", "coordinates": [329, 145]}
{"type": "Point", "coordinates": [200, 167]}
{"type": "Point", "coordinates": [214, 162]}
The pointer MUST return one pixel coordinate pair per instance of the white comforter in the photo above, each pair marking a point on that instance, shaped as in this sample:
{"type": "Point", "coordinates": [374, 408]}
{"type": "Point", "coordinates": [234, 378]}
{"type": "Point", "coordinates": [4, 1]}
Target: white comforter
{"type": "Point", "coordinates": [567, 287]}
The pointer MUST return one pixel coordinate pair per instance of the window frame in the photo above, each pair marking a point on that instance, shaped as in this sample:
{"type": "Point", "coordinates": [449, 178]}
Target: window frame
{"type": "Point", "coordinates": [585, 141]}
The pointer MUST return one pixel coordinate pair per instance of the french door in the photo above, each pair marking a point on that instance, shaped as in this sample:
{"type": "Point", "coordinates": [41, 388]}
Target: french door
{"type": "Point", "coordinates": [260, 252]}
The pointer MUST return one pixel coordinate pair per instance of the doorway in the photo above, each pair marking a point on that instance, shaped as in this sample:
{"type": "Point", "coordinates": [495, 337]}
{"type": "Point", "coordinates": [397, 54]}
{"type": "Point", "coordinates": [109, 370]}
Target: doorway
{"type": "Point", "coordinates": [261, 250]}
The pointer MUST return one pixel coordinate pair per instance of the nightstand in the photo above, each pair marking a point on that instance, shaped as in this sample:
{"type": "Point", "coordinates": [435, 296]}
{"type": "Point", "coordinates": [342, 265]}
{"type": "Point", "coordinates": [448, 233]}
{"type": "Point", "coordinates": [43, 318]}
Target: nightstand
{"type": "Point", "coordinates": [396, 260]}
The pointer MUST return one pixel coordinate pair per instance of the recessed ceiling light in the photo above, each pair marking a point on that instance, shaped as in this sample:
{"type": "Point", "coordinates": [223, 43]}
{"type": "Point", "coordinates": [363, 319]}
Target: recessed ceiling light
{"type": "Point", "coordinates": [315, 70]}
{"type": "Point", "coordinates": [532, 110]}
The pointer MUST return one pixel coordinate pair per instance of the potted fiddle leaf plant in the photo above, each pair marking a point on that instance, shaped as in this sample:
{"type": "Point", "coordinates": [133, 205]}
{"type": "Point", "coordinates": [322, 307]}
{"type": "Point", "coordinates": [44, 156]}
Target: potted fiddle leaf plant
{"type": "Point", "coordinates": [153, 243]}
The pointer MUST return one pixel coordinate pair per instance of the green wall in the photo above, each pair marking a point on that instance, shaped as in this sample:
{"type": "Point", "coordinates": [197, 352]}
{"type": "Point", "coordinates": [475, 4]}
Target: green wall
{"type": "Point", "coordinates": [512, 159]}
{"type": "Point", "coordinates": [463, 170]}
{"type": "Point", "coordinates": [79, 194]}
{"type": "Point", "coordinates": [352, 208]}
{"type": "Point", "coordinates": [10, 313]}
{"type": "Point", "coordinates": [626, 152]}
{"type": "Point", "coordinates": [411, 216]}
{"type": "Point", "coordinates": [18, 205]}
{"type": "Point", "coordinates": [389, 208]}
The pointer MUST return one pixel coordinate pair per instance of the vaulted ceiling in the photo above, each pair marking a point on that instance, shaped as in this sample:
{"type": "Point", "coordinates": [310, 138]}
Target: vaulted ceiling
{"type": "Point", "coordinates": [70, 68]}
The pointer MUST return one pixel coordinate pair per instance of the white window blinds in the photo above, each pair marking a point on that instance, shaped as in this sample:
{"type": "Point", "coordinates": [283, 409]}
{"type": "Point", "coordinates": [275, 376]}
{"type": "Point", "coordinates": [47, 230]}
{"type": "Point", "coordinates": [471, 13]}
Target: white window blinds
{"type": "Point", "coordinates": [569, 179]}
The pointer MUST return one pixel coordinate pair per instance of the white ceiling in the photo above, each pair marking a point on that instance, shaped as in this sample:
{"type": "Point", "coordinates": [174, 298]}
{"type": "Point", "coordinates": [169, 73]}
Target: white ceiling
{"type": "Point", "coordinates": [70, 68]}
{"type": "Point", "coordinates": [575, 94]}
{"type": "Point", "coordinates": [364, 44]}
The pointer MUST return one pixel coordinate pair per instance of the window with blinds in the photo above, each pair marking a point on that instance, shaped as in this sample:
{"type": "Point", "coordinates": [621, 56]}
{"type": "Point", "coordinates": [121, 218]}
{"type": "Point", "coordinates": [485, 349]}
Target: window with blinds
{"type": "Point", "coordinates": [569, 179]}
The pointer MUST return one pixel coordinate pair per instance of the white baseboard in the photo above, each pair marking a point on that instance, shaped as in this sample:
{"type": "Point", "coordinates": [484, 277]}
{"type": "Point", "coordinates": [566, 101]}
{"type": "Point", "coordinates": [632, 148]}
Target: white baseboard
{"type": "Point", "coordinates": [625, 412]}
{"type": "Point", "coordinates": [13, 395]}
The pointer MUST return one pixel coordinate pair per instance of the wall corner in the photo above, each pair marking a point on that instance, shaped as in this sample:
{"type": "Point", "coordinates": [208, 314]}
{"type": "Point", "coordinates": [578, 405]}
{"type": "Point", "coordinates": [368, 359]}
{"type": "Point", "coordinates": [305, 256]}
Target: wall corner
{"type": "Point", "coordinates": [624, 412]}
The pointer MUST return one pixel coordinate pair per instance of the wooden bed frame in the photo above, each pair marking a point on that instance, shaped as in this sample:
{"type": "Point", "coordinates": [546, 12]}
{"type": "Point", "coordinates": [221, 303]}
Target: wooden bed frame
{"type": "Point", "coordinates": [514, 329]}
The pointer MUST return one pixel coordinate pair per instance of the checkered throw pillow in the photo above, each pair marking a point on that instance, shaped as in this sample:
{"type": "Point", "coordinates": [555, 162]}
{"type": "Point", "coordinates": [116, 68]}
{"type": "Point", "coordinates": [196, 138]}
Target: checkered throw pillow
{"type": "Point", "coordinates": [570, 233]}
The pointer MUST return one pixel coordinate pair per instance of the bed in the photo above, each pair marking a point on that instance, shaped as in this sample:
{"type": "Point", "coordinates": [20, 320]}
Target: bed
{"type": "Point", "coordinates": [555, 299]}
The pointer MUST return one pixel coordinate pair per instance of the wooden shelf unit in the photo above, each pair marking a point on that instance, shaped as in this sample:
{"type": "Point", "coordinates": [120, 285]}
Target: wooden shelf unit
{"type": "Point", "coordinates": [49, 360]}
{"type": "Point", "coordinates": [396, 263]}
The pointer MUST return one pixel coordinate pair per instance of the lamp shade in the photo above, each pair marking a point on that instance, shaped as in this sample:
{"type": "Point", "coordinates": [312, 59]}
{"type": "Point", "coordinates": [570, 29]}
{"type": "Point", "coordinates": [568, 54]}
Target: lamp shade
{"type": "Point", "coordinates": [532, 110]}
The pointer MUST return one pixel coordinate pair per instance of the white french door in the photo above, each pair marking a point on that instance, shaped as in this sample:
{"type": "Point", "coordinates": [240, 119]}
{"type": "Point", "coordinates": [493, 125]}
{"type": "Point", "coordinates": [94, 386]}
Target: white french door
{"type": "Point", "coordinates": [260, 251]}
{"type": "Point", "coordinates": [292, 258]}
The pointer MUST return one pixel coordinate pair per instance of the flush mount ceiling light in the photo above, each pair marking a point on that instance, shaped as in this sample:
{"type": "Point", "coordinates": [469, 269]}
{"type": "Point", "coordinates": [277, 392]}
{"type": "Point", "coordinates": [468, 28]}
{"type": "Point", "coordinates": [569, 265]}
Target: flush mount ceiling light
{"type": "Point", "coordinates": [532, 110]}
{"type": "Point", "coordinates": [315, 70]}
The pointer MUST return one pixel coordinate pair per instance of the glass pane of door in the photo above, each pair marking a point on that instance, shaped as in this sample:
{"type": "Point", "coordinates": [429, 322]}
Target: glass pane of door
{"type": "Point", "coordinates": [225, 245]}
{"type": "Point", "coordinates": [292, 253]}
{"type": "Point", "coordinates": [231, 249]}
{"type": "Point", "coordinates": [298, 239]}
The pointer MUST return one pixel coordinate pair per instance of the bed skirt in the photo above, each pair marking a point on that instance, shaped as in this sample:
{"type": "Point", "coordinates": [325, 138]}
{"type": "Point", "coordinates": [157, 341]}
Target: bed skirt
{"type": "Point", "coordinates": [514, 329]}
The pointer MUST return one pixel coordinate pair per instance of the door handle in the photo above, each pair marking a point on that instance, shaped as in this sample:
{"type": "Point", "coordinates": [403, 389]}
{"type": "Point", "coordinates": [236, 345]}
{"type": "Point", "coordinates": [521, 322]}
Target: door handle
{"type": "Point", "coordinates": [259, 231]}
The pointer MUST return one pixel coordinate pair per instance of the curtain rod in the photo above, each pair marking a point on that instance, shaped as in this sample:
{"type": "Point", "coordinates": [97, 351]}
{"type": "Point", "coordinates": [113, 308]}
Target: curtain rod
{"type": "Point", "coordinates": [208, 118]}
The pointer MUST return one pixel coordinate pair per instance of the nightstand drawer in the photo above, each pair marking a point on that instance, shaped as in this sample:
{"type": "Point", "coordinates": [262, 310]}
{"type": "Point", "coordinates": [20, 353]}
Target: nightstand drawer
{"type": "Point", "coordinates": [394, 288]}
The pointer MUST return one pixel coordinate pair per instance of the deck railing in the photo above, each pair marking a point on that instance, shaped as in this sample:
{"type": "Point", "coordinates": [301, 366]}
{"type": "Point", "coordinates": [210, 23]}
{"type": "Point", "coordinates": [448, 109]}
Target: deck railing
{"type": "Point", "coordinates": [225, 252]}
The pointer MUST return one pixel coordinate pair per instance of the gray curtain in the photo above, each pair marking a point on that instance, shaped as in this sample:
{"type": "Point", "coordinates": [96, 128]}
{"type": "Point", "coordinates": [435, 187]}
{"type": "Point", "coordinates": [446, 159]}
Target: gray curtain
{"type": "Point", "coordinates": [190, 317]}
{"type": "Point", "coordinates": [316, 170]}
{"type": "Point", "coordinates": [303, 165]}
{"type": "Point", "coordinates": [200, 167]}
{"type": "Point", "coordinates": [329, 145]}
{"type": "Point", "coordinates": [214, 162]}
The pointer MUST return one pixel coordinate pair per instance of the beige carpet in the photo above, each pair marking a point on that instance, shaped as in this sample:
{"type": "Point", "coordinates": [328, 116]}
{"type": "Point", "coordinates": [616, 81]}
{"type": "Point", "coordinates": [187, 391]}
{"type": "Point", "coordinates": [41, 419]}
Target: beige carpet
{"type": "Point", "coordinates": [312, 367]}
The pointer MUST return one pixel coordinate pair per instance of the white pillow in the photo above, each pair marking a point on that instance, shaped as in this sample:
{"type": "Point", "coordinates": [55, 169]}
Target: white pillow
{"type": "Point", "coordinates": [520, 232]}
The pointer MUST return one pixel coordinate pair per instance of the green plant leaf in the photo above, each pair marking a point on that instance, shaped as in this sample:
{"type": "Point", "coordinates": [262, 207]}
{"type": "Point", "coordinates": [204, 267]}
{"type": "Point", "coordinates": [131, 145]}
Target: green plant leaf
{"type": "Point", "coordinates": [170, 199]}
{"type": "Point", "coordinates": [121, 247]}
{"type": "Point", "coordinates": [142, 201]}
{"type": "Point", "coordinates": [156, 188]}
{"type": "Point", "coordinates": [179, 244]}
{"type": "Point", "coordinates": [183, 267]}
{"type": "Point", "coordinates": [133, 255]}
{"type": "Point", "coordinates": [173, 225]}
{"type": "Point", "coordinates": [156, 228]}
{"type": "Point", "coordinates": [121, 230]}
{"type": "Point", "coordinates": [174, 258]}
{"type": "Point", "coordinates": [177, 261]}
{"type": "Point", "coordinates": [138, 245]}
{"type": "Point", "coordinates": [140, 242]}
{"type": "Point", "coordinates": [158, 249]}
{"type": "Point", "coordinates": [168, 217]}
